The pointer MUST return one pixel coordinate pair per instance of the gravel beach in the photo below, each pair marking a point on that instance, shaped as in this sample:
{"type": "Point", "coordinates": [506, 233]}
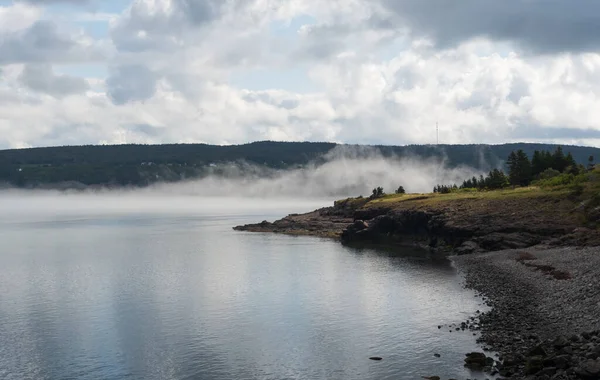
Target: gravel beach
{"type": "Point", "coordinates": [545, 316]}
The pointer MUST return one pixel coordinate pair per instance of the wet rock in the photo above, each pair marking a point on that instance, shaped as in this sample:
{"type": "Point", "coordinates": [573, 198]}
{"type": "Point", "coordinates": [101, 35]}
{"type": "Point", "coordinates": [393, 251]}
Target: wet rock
{"type": "Point", "coordinates": [475, 360]}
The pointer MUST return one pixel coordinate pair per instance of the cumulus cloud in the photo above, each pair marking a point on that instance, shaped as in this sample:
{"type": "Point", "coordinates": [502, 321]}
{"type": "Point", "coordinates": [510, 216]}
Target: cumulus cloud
{"type": "Point", "coordinates": [375, 72]}
{"type": "Point", "coordinates": [131, 83]}
{"type": "Point", "coordinates": [43, 42]}
{"type": "Point", "coordinates": [547, 26]}
{"type": "Point", "coordinates": [41, 77]}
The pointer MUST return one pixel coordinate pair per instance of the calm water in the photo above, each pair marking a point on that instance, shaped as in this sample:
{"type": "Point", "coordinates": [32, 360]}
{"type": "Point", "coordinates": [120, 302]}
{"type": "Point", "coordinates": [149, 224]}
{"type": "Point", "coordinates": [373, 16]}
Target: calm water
{"type": "Point", "coordinates": [162, 288]}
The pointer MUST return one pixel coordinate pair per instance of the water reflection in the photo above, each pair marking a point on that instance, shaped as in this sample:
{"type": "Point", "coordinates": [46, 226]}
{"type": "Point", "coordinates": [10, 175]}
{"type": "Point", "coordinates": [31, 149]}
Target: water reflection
{"type": "Point", "coordinates": [185, 297]}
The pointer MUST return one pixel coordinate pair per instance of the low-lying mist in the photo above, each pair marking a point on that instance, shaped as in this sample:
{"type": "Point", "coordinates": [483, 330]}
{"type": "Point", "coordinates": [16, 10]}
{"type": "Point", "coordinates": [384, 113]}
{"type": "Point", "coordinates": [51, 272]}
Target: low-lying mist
{"type": "Point", "coordinates": [345, 173]}
{"type": "Point", "coordinates": [248, 188]}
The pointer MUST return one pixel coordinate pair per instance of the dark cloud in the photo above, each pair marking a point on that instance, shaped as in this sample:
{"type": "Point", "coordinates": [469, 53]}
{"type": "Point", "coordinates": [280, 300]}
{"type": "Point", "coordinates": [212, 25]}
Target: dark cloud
{"type": "Point", "coordinates": [41, 43]}
{"type": "Point", "coordinates": [145, 28]}
{"type": "Point", "coordinates": [131, 83]}
{"type": "Point", "coordinates": [41, 78]}
{"type": "Point", "coordinates": [541, 26]}
{"type": "Point", "coordinates": [146, 129]}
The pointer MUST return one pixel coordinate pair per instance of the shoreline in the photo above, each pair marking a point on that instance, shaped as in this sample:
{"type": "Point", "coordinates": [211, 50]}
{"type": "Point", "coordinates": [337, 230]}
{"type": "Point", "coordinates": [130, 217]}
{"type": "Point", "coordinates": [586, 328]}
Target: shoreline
{"type": "Point", "coordinates": [545, 310]}
{"type": "Point", "coordinates": [540, 280]}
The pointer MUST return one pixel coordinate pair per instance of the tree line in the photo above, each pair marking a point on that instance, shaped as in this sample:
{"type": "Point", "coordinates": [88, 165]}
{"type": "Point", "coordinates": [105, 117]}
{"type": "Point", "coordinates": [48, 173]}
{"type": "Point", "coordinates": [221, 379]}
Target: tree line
{"type": "Point", "coordinates": [522, 171]}
{"type": "Point", "coordinates": [142, 165]}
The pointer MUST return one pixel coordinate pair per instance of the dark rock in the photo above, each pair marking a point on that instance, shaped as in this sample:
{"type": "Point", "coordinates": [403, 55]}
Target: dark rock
{"type": "Point", "coordinates": [566, 350]}
{"type": "Point", "coordinates": [560, 342]}
{"type": "Point", "coordinates": [533, 365]}
{"type": "Point", "coordinates": [360, 225]}
{"type": "Point", "coordinates": [475, 360]}
{"type": "Point", "coordinates": [560, 361]}
{"type": "Point", "coordinates": [591, 355]}
{"type": "Point", "coordinates": [437, 355]}
{"type": "Point", "coordinates": [509, 361]}
{"type": "Point", "coordinates": [550, 371]}
{"type": "Point", "coordinates": [467, 247]}
{"type": "Point", "coordinates": [375, 358]}
{"type": "Point", "coordinates": [537, 351]}
{"type": "Point", "coordinates": [589, 369]}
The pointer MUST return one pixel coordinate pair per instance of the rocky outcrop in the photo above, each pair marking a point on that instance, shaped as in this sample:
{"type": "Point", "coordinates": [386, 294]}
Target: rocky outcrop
{"type": "Point", "coordinates": [328, 222]}
{"type": "Point", "coordinates": [461, 226]}
{"type": "Point", "coordinates": [436, 230]}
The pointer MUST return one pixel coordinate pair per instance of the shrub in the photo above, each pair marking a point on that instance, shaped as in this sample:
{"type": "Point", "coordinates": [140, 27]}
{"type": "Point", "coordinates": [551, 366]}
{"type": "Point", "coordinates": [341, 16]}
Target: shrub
{"type": "Point", "coordinates": [549, 173]}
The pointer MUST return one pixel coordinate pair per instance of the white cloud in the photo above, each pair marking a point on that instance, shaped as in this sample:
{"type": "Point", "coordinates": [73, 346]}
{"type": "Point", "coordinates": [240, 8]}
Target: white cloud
{"type": "Point", "coordinates": [18, 17]}
{"type": "Point", "coordinates": [170, 62]}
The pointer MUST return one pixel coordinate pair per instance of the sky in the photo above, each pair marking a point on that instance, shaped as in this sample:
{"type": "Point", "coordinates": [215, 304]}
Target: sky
{"type": "Point", "coordinates": [351, 71]}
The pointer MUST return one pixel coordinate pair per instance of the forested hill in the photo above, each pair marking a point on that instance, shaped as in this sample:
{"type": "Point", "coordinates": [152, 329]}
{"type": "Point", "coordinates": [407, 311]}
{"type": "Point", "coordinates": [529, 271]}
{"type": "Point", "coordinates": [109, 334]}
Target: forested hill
{"type": "Point", "coordinates": [141, 165]}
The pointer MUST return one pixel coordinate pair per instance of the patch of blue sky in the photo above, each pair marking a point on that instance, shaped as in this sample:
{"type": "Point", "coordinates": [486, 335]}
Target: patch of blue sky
{"type": "Point", "coordinates": [289, 28]}
{"type": "Point", "coordinates": [288, 79]}
{"type": "Point", "coordinates": [97, 71]}
{"type": "Point", "coordinates": [292, 79]}
{"type": "Point", "coordinates": [94, 6]}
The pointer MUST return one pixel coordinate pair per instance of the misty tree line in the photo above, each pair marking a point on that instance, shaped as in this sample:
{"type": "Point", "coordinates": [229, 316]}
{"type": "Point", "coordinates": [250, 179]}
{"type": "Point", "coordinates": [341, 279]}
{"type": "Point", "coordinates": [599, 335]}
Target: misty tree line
{"type": "Point", "coordinates": [522, 171]}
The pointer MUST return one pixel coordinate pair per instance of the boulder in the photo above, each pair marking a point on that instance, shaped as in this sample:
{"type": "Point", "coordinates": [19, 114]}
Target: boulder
{"type": "Point", "coordinates": [360, 225]}
{"type": "Point", "coordinates": [475, 360]}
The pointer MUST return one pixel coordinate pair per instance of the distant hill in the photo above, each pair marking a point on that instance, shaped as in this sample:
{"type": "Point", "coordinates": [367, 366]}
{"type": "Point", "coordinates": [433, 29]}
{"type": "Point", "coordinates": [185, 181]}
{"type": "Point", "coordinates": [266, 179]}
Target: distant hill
{"type": "Point", "coordinates": [140, 165]}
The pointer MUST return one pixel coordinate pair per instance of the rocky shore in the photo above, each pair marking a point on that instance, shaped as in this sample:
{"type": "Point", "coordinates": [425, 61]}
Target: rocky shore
{"type": "Point", "coordinates": [545, 316]}
{"type": "Point", "coordinates": [530, 258]}
{"type": "Point", "coordinates": [454, 226]}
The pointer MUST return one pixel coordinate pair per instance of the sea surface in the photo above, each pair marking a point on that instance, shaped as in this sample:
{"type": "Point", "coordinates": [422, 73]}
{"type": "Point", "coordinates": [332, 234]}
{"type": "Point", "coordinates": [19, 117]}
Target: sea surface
{"type": "Point", "coordinates": [138, 286]}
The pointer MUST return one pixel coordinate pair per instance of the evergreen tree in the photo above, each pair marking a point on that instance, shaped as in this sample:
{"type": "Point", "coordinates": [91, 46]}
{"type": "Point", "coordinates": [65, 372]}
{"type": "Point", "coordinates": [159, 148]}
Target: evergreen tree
{"type": "Point", "coordinates": [377, 192]}
{"type": "Point", "coordinates": [571, 166]}
{"type": "Point", "coordinates": [400, 190]}
{"type": "Point", "coordinates": [538, 163]}
{"type": "Point", "coordinates": [559, 161]}
{"type": "Point", "coordinates": [519, 168]}
{"type": "Point", "coordinates": [590, 162]}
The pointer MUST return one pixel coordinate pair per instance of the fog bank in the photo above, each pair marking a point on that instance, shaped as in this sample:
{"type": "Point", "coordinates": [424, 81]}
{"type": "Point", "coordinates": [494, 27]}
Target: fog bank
{"type": "Point", "coordinates": [345, 173]}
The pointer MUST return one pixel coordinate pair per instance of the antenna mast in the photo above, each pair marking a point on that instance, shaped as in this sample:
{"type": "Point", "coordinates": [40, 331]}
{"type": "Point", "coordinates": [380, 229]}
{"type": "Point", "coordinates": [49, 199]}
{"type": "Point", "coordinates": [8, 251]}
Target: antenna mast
{"type": "Point", "coordinates": [437, 133]}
